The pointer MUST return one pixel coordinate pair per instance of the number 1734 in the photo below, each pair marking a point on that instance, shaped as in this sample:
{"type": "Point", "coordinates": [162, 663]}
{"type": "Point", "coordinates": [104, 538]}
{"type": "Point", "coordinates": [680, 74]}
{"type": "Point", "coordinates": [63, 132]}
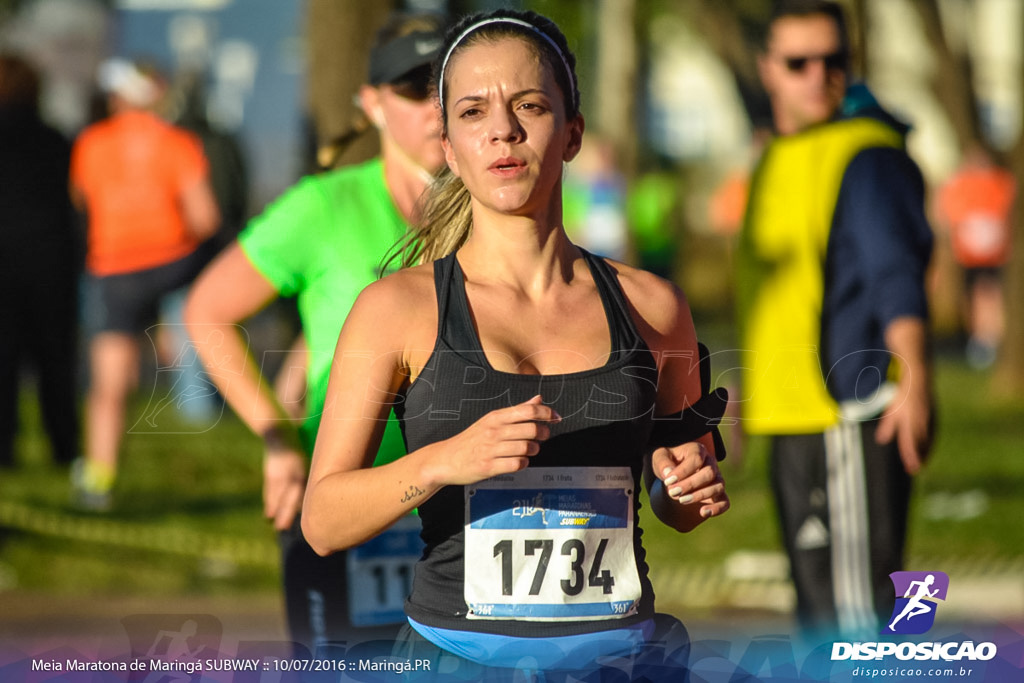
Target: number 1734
{"type": "Point", "coordinates": [542, 549]}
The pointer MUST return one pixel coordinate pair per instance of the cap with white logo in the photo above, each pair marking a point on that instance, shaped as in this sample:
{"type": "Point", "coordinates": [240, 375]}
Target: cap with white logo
{"type": "Point", "coordinates": [394, 59]}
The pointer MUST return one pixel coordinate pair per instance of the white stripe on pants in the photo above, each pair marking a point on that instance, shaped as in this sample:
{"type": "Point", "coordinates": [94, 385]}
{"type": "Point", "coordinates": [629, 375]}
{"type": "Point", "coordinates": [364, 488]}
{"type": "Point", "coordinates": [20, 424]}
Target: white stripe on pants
{"type": "Point", "coordinates": [848, 523]}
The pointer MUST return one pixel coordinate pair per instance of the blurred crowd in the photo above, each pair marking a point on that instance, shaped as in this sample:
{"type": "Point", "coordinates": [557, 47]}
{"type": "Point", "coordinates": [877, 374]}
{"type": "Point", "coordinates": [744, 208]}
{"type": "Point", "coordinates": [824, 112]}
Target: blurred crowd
{"type": "Point", "coordinates": [102, 236]}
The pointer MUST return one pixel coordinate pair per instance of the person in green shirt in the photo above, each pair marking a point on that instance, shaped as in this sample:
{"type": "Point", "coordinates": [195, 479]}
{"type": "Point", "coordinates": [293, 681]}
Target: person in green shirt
{"type": "Point", "coordinates": [322, 242]}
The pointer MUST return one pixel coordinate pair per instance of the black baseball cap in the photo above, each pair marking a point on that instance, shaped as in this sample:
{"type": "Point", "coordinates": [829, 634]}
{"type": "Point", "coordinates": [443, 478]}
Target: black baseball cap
{"type": "Point", "coordinates": [392, 60]}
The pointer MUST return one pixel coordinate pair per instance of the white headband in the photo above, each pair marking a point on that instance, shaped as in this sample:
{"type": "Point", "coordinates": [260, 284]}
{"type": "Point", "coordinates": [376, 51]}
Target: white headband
{"type": "Point", "coordinates": [505, 20]}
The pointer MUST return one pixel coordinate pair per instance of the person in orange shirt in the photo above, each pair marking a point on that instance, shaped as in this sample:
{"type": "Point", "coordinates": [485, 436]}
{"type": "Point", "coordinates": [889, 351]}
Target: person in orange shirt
{"type": "Point", "coordinates": [974, 206]}
{"type": "Point", "coordinates": [728, 203]}
{"type": "Point", "coordinates": [144, 185]}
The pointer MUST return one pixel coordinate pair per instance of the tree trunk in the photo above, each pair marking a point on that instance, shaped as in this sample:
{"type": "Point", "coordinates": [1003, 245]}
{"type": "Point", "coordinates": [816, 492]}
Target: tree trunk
{"type": "Point", "coordinates": [721, 26]}
{"type": "Point", "coordinates": [1008, 377]}
{"type": "Point", "coordinates": [861, 57]}
{"type": "Point", "coordinates": [953, 86]}
{"type": "Point", "coordinates": [340, 35]}
{"type": "Point", "coordinates": [617, 80]}
{"type": "Point", "coordinates": [954, 78]}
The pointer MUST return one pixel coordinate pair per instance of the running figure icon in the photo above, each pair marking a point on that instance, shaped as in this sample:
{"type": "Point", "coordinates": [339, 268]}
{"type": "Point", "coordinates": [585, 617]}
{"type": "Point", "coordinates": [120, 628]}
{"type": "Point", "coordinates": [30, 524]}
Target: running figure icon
{"type": "Point", "coordinates": [916, 605]}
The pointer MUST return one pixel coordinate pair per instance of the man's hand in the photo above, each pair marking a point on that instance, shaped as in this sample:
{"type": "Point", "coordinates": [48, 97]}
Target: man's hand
{"type": "Point", "coordinates": [908, 420]}
{"type": "Point", "coordinates": [909, 417]}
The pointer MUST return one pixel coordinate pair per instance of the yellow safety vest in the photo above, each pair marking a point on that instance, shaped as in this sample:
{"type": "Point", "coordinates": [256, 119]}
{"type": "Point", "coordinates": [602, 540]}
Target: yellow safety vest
{"type": "Point", "coordinates": [781, 274]}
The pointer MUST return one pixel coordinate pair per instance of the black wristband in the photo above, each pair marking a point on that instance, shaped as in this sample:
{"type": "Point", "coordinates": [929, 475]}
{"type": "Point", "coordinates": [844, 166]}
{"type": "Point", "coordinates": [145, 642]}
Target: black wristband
{"type": "Point", "coordinates": [702, 417]}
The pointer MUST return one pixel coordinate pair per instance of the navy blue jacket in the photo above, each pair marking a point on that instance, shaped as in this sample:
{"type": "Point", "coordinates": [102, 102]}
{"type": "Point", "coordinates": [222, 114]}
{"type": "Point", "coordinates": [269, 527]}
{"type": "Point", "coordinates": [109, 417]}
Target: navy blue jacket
{"type": "Point", "coordinates": [877, 255]}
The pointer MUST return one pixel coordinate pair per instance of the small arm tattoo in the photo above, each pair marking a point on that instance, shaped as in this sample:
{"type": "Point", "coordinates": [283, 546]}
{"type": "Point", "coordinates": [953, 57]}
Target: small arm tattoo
{"type": "Point", "coordinates": [413, 492]}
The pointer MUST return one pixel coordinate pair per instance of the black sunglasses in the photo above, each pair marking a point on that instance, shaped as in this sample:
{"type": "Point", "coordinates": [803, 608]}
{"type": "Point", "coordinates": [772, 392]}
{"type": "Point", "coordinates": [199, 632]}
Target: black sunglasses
{"type": "Point", "coordinates": [414, 85]}
{"type": "Point", "coordinates": [836, 61]}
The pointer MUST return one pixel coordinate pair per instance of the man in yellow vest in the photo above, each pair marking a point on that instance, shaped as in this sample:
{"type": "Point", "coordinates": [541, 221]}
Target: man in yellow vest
{"type": "Point", "coordinates": [833, 321]}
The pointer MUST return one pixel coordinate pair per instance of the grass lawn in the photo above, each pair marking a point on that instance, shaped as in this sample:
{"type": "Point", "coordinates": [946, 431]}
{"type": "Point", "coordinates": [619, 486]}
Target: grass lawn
{"type": "Point", "coordinates": [188, 518]}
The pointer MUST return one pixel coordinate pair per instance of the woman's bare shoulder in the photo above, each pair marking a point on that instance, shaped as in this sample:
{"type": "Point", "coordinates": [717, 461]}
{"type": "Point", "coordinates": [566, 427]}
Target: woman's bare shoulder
{"type": "Point", "coordinates": [659, 303]}
{"type": "Point", "coordinates": [403, 301]}
{"type": "Point", "coordinates": [408, 282]}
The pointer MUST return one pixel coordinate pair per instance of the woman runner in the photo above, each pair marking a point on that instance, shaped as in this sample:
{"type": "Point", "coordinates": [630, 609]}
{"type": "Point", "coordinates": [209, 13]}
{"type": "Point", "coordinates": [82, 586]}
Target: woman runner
{"type": "Point", "coordinates": [527, 376]}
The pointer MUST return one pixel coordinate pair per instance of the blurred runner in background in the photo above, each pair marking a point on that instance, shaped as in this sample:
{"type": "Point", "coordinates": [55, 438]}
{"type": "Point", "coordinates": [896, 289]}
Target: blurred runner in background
{"type": "Point", "coordinates": [144, 185]}
{"type": "Point", "coordinates": [322, 242]}
{"type": "Point", "coordinates": [974, 206]}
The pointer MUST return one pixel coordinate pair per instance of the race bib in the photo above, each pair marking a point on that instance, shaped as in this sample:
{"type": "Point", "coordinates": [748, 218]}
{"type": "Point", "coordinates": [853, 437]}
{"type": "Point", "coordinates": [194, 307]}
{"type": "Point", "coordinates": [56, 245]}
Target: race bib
{"type": "Point", "coordinates": [380, 574]}
{"type": "Point", "coordinates": [551, 544]}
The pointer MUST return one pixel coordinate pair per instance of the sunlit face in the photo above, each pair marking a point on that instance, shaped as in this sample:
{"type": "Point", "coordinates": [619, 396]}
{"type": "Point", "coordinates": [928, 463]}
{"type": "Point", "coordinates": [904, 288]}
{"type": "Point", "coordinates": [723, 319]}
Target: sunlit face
{"type": "Point", "coordinates": [802, 73]}
{"type": "Point", "coordinates": [507, 134]}
{"type": "Point", "coordinates": [412, 126]}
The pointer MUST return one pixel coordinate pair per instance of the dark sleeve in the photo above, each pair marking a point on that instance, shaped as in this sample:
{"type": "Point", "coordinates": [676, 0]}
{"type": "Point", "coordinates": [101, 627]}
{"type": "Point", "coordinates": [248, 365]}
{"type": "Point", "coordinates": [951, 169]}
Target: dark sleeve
{"type": "Point", "coordinates": [881, 201]}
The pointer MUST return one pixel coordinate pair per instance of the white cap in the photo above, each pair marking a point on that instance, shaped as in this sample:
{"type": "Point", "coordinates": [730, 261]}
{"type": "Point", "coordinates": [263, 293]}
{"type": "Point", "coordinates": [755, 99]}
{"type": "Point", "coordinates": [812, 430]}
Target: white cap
{"type": "Point", "coordinates": [121, 77]}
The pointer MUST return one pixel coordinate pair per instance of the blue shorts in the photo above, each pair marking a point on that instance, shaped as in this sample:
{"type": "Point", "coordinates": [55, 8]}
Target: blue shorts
{"type": "Point", "coordinates": [656, 650]}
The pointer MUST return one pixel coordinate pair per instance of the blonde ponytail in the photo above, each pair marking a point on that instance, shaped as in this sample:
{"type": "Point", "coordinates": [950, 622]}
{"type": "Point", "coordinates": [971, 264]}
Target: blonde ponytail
{"type": "Point", "coordinates": [446, 220]}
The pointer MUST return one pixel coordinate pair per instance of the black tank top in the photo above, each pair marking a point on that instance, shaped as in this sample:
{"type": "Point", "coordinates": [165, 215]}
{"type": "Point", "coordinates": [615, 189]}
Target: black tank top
{"type": "Point", "coordinates": [607, 420]}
